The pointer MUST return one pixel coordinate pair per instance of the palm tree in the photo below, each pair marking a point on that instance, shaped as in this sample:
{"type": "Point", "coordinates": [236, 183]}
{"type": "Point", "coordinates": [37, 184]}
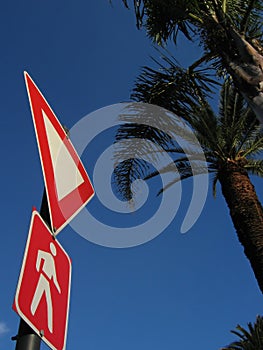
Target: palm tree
{"type": "Point", "coordinates": [231, 142]}
{"type": "Point", "coordinates": [249, 340]}
{"type": "Point", "coordinates": [229, 32]}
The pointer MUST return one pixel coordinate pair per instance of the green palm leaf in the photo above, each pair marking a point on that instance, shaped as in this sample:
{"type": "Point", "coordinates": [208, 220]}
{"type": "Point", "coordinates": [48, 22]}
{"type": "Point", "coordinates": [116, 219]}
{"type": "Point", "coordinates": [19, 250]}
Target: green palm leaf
{"type": "Point", "coordinates": [251, 339]}
{"type": "Point", "coordinates": [229, 32]}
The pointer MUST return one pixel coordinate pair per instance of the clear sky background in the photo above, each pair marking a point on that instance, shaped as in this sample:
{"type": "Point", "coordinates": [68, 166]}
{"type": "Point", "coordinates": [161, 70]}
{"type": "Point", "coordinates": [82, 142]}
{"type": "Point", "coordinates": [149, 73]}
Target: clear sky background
{"type": "Point", "coordinates": [174, 292]}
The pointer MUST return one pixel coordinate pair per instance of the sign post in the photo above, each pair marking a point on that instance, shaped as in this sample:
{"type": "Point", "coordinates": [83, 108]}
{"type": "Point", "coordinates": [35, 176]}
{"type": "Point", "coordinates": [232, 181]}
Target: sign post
{"type": "Point", "coordinates": [26, 339]}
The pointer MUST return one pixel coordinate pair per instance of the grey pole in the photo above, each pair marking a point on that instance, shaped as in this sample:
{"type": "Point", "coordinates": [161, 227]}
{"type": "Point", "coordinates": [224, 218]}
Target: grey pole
{"type": "Point", "coordinates": [27, 339]}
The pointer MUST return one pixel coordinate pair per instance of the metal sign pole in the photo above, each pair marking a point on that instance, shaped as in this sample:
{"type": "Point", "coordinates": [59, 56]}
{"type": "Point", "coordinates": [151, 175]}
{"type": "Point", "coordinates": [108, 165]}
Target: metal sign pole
{"type": "Point", "coordinates": [27, 339]}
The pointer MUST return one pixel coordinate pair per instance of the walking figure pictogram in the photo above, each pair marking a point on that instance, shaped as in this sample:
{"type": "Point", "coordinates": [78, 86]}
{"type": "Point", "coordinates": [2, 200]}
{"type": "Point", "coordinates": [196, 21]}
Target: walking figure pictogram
{"type": "Point", "coordinates": [47, 275]}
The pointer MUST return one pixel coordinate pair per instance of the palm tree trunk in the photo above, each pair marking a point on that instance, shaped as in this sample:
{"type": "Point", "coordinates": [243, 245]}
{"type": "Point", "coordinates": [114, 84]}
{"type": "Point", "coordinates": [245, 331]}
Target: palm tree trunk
{"type": "Point", "coordinates": [245, 67]}
{"type": "Point", "coordinates": [247, 214]}
{"type": "Point", "coordinates": [256, 104]}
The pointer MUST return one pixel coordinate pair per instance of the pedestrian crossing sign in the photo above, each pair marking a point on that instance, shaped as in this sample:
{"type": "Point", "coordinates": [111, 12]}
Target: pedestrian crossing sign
{"type": "Point", "coordinates": [43, 291]}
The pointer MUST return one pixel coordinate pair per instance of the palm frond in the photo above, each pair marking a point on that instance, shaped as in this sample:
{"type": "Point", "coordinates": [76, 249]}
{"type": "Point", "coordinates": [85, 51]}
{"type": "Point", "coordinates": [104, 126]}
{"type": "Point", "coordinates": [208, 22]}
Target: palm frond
{"type": "Point", "coordinates": [252, 12]}
{"type": "Point", "coordinates": [181, 164]}
{"type": "Point", "coordinates": [187, 86]}
{"type": "Point", "coordinates": [125, 173]}
{"type": "Point", "coordinates": [253, 144]}
{"type": "Point", "coordinates": [251, 339]}
{"type": "Point", "coordinates": [185, 171]}
{"type": "Point", "coordinates": [233, 134]}
{"type": "Point", "coordinates": [238, 124]}
{"type": "Point", "coordinates": [255, 167]}
{"type": "Point", "coordinates": [215, 179]}
{"type": "Point", "coordinates": [187, 16]}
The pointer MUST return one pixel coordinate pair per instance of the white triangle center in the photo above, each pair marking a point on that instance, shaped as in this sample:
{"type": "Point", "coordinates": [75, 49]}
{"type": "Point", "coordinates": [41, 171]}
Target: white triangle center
{"type": "Point", "coordinates": [66, 172]}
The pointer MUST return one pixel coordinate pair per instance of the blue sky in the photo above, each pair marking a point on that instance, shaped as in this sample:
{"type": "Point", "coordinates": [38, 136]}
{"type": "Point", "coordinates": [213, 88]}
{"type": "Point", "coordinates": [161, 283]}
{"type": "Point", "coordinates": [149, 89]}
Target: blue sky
{"type": "Point", "coordinates": [174, 292]}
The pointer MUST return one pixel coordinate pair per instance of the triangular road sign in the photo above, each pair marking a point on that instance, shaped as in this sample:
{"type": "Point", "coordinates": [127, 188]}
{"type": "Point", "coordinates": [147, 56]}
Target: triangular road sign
{"type": "Point", "coordinates": [67, 184]}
